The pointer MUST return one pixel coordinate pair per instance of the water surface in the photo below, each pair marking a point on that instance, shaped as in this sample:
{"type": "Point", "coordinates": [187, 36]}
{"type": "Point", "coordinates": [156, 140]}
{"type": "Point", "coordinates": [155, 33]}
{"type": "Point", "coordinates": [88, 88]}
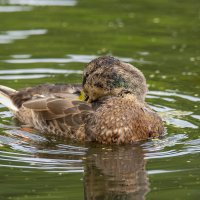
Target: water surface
{"type": "Point", "coordinates": [51, 41]}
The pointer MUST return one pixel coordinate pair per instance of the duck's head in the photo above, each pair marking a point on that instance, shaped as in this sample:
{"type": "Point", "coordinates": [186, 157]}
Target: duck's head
{"type": "Point", "coordinates": [108, 76]}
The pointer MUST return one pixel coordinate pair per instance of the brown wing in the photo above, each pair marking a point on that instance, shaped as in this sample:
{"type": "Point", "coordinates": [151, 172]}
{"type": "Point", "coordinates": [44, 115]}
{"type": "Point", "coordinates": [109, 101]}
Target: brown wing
{"type": "Point", "coordinates": [72, 113]}
{"type": "Point", "coordinates": [55, 90]}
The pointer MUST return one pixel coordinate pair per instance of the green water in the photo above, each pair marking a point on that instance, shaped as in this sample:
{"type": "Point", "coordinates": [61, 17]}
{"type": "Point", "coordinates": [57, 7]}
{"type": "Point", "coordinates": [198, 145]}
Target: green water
{"type": "Point", "coordinates": [40, 44]}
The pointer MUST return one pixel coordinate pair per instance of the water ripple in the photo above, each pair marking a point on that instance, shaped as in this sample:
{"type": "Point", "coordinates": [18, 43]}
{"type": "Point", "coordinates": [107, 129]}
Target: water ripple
{"type": "Point", "coordinates": [32, 153]}
{"type": "Point", "coordinates": [12, 74]}
{"type": "Point", "coordinates": [151, 172]}
{"type": "Point", "coordinates": [14, 77]}
{"type": "Point", "coordinates": [8, 9]}
{"type": "Point", "coordinates": [40, 70]}
{"type": "Point", "coordinates": [40, 2]}
{"type": "Point", "coordinates": [171, 94]}
{"type": "Point", "coordinates": [10, 36]}
{"type": "Point", "coordinates": [69, 58]}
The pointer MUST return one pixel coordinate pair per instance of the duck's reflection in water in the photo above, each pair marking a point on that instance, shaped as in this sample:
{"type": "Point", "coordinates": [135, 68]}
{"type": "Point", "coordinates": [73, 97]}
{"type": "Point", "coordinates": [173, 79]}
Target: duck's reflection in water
{"type": "Point", "coordinates": [110, 172]}
{"type": "Point", "coordinates": [115, 173]}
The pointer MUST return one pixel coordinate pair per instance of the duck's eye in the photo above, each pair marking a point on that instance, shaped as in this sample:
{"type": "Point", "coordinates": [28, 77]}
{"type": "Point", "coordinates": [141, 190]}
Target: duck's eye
{"type": "Point", "coordinates": [86, 98]}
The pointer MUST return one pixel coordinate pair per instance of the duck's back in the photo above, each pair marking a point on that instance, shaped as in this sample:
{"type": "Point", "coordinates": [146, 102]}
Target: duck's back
{"type": "Point", "coordinates": [45, 90]}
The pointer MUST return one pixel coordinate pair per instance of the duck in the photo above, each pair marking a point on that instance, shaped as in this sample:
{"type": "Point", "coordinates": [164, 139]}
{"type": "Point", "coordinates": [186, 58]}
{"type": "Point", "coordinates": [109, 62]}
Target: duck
{"type": "Point", "coordinates": [108, 107]}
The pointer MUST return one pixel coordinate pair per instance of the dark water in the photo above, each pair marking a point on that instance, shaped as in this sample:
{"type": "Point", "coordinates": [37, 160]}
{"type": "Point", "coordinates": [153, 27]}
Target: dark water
{"type": "Point", "coordinates": [52, 42]}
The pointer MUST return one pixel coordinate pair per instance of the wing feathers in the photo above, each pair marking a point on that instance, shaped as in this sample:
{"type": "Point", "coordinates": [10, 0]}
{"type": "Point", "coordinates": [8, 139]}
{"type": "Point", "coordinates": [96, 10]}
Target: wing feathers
{"type": "Point", "coordinates": [36, 104]}
{"type": "Point", "coordinates": [57, 106]}
{"type": "Point", "coordinates": [47, 115]}
{"type": "Point", "coordinates": [73, 112]}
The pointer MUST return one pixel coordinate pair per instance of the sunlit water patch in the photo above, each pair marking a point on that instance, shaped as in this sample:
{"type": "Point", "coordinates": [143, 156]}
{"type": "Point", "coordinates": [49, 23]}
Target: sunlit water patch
{"type": "Point", "coordinates": [196, 116]}
{"type": "Point", "coordinates": [19, 56]}
{"type": "Point", "coordinates": [10, 36]}
{"type": "Point", "coordinates": [40, 2]}
{"type": "Point", "coordinates": [8, 9]}
{"type": "Point", "coordinates": [14, 74]}
{"type": "Point", "coordinates": [175, 94]}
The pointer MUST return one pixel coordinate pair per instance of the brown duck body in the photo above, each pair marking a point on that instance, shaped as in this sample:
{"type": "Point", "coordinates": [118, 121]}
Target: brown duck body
{"type": "Point", "coordinates": [114, 112]}
{"type": "Point", "coordinates": [125, 120]}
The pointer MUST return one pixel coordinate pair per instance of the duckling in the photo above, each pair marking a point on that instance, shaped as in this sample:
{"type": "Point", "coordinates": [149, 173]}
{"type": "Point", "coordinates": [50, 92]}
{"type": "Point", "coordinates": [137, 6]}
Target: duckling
{"type": "Point", "coordinates": [113, 111]}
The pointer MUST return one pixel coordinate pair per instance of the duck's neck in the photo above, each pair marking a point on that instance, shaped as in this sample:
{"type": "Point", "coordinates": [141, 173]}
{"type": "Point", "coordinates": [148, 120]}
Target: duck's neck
{"type": "Point", "coordinates": [100, 101]}
{"type": "Point", "coordinates": [130, 97]}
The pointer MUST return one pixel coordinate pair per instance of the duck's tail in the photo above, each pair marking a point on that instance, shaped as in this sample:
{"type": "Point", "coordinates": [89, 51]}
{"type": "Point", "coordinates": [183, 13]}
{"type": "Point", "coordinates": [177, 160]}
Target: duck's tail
{"type": "Point", "coordinates": [5, 97]}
